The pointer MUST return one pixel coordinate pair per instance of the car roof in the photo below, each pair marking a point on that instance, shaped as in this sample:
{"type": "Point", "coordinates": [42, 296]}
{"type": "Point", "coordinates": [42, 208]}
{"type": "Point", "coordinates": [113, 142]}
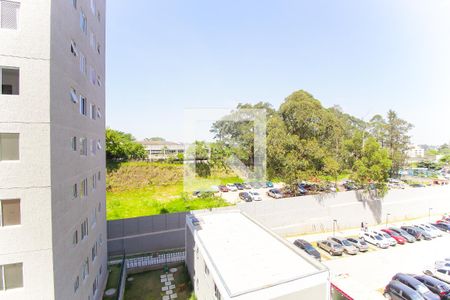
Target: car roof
{"type": "Point", "coordinates": [403, 287]}
{"type": "Point", "coordinates": [434, 281]}
{"type": "Point", "coordinates": [408, 278]}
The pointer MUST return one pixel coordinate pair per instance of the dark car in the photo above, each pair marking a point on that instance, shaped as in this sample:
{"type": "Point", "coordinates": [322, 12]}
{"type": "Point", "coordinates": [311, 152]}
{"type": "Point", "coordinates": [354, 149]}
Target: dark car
{"type": "Point", "coordinates": [416, 285]}
{"type": "Point", "coordinates": [403, 233]}
{"type": "Point", "coordinates": [301, 189]}
{"type": "Point", "coordinates": [396, 290]}
{"type": "Point", "coordinates": [223, 188]}
{"type": "Point", "coordinates": [308, 248]}
{"type": "Point", "coordinates": [426, 235]}
{"type": "Point", "coordinates": [239, 186]}
{"type": "Point", "coordinates": [442, 226]}
{"type": "Point", "coordinates": [414, 232]}
{"type": "Point", "coordinates": [438, 287]}
{"type": "Point", "coordinates": [245, 197]}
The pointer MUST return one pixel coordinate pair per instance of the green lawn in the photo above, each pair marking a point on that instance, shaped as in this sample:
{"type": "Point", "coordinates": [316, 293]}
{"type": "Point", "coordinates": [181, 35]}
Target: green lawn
{"type": "Point", "coordinates": [113, 280]}
{"type": "Point", "coordinates": [147, 285]}
{"type": "Point", "coordinates": [169, 198]}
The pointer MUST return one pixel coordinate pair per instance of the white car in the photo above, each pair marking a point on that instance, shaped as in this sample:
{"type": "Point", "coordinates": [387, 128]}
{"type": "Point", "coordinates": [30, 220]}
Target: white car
{"type": "Point", "coordinates": [387, 237]}
{"type": "Point", "coordinates": [433, 229]}
{"type": "Point", "coordinates": [255, 196]}
{"type": "Point", "coordinates": [442, 264]}
{"type": "Point", "coordinates": [374, 239]}
{"type": "Point", "coordinates": [429, 231]}
{"type": "Point", "coordinates": [440, 273]}
{"type": "Point", "coordinates": [232, 187]}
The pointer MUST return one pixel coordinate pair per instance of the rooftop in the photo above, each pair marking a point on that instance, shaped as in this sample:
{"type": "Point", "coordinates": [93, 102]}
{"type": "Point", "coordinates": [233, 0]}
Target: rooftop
{"type": "Point", "coordinates": [262, 260]}
{"type": "Point", "coordinates": [159, 143]}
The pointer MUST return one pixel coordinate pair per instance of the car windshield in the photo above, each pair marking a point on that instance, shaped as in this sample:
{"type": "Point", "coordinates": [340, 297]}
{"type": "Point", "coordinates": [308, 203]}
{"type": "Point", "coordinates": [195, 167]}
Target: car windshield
{"type": "Point", "coordinates": [362, 243]}
{"type": "Point", "coordinates": [378, 237]}
{"type": "Point", "coordinates": [422, 289]}
{"type": "Point", "coordinates": [309, 248]}
{"type": "Point", "coordinates": [346, 243]}
{"type": "Point", "coordinates": [386, 235]}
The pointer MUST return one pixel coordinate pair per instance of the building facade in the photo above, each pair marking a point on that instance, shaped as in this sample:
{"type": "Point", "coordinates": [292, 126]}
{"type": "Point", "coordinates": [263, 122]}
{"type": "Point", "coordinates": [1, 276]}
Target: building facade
{"type": "Point", "coordinates": [162, 150]}
{"type": "Point", "coordinates": [231, 256]}
{"type": "Point", "coordinates": [52, 158]}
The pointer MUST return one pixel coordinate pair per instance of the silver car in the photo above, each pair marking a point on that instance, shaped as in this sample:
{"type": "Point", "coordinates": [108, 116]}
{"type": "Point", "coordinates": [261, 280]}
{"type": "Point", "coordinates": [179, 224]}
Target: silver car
{"type": "Point", "coordinates": [331, 247]}
{"type": "Point", "coordinates": [360, 244]}
{"type": "Point", "coordinates": [348, 247]}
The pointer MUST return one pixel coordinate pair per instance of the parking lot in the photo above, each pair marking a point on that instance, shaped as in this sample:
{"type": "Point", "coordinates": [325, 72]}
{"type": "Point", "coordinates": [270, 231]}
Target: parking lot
{"type": "Point", "coordinates": [365, 275]}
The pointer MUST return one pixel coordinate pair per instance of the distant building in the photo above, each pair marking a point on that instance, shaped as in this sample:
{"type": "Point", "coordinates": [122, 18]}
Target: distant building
{"type": "Point", "coordinates": [230, 256]}
{"type": "Point", "coordinates": [162, 150]}
{"type": "Point", "coordinates": [416, 152]}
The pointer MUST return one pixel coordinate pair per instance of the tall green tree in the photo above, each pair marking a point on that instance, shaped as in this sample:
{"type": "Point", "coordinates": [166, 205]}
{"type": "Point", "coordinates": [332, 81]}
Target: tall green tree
{"type": "Point", "coordinates": [373, 166]}
{"type": "Point", "coordinates": [122, 146]}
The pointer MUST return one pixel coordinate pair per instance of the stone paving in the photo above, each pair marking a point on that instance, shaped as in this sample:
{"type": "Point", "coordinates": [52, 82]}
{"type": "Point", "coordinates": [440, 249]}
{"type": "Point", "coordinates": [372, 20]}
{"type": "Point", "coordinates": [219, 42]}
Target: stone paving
{"type": "Point", "coordinates": [168, 285]}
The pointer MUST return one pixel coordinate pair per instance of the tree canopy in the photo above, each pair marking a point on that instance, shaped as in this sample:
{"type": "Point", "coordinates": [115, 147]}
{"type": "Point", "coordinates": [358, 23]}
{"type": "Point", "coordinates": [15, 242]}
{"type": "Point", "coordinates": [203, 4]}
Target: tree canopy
{"type": "Point", "coordinates": [122, 146]}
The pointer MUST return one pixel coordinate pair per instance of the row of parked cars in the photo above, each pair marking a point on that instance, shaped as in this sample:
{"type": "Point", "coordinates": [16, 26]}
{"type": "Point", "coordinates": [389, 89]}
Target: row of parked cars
{"type": "Point", "coordinates": [234, 187]}
{"type": "Point", "coordinates": [384, 238]}
{"type": "Point", "coordinates": [417, 287]}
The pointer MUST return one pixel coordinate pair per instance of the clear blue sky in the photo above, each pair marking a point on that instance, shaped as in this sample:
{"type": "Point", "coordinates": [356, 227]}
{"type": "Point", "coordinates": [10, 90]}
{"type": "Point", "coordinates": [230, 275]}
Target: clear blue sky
{"type": "Point", "coordinates": [366, 56]}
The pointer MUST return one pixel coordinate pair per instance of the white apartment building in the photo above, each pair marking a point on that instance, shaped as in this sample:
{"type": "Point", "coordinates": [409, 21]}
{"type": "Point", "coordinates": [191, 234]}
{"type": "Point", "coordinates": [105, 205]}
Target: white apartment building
{"type": "Point", "coordinates": [52, 159]}
{"type": "Point", "coordinates": [231, 256]}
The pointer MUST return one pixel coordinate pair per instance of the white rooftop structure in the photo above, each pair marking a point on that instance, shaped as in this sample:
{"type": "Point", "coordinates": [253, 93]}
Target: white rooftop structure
{"type": "Point", "coordinates": [248, 261]}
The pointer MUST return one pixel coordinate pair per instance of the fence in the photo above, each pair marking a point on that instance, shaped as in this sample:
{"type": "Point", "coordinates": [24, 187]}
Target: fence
{"type": "Point", "coordinates": [156, 259]}
{"type": "Point", "coordinates": [122, 280]}
{"type": "Point", "coordinates": [146, 234]}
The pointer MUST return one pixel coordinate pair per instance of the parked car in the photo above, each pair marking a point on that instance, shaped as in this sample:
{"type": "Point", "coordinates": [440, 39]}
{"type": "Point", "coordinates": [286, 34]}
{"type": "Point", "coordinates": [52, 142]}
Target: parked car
{"type": "Point", "coordinates": [374, 239]}
{"type": "Point", "coordinates": [255, 196]}
{"type": "Point", "coordinates": [403, 233]}
{"type": "Point", "coordinates": [397, 237]}
{"type": "Point", "coordinates": [426, 235]}
{"type": "Point", "coordinates": [442, 264]}
{"type": "Point", "coordinates": [387, 237]}
{"type": "Point", "coordinates": [269, 184]}
{"type": "Point", "coordinates": [261, 185]}
{"type": "Point", "coordinates": [435, 285]}
{"type": "Point", "coordinates": [254, 185]}
{"type": "Point", "coordinates": [416, 285]}
{"type": "Point", "coordinates": [431, 233]}
{"type": "Point", "coordinates": [275, 193]}
{"type": "Point", "coordinates": [350, 185]}
{"type": "Point", "coordinates": [433, 229]}
{"type": "Point", "coordinates": [308, 248]}
{"type": "Point", "coordinates": [301, 189]}
{"type": "Point", "coordinates": [244, 196]}
{"type": "Point", "coordinates": [247, 186]}
{"type": "Point", "coordinates": [442, 226]}
{"type": "Point", "coordinates": [414, 232]}
{"type": "Point", "coordinates": [232, 187]}
{"type": "Point", "coordinates": [358, 243]}
{"type": "Point", "coordinates": [239, 186]}
{"type": "Point", "coordinates": [223, 188]}
{"type": "Point", "coordinates": [439, 273]}
{"type": "Point", "coordinates": [348, 247]}
{"type": "Point", "coordinates": [331, 247]}
{"type": "Point", "coordinates": [396, 290]}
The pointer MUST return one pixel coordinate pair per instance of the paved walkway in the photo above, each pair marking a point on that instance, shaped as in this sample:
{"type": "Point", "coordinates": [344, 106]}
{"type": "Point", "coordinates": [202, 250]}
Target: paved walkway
{"type": "Point", "coordinates": [168, 285]}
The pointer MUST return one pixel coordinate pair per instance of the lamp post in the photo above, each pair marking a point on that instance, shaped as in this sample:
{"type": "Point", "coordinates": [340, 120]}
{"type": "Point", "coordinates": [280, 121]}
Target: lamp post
{"type": "Point", "coordinates": [387, 219]}
{"type": "Point", "coordinates": [334, 227]}
{"type": "Point", "coordinates": [429, 213]}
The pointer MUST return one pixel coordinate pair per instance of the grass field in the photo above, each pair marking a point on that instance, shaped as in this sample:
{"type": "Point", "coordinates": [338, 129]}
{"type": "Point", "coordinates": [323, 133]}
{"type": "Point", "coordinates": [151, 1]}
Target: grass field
{"type": "Point", "coordinates": [147, 285]}
{"type": "Point", "coordinates": [136, 189]}
{"type": "Point", "coordinates": [113, 280]}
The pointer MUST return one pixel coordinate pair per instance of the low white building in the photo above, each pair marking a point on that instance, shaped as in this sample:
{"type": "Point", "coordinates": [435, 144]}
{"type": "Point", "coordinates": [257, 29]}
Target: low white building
{"type": "Point", "coordinates": [231, 256]}
{"type": "Point", "coordinates": [416, 152]}
{"type": "Point", "coordinates": [162, 150]}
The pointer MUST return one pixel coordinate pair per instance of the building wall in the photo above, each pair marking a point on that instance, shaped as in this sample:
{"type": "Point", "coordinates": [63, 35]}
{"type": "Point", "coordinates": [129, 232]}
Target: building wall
{"type": "Point", "coordinates": [68, 166]}
{"type": "Point", "coordinates": [28, 179]}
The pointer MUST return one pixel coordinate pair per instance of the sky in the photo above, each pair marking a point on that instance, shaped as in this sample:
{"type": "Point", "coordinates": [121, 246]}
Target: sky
{"type": "Point", "coordinates": [166, 56]}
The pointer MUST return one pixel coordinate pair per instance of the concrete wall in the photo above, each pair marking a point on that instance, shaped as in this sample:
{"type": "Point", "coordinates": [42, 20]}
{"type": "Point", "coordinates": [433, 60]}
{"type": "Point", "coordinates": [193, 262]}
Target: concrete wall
{"type": "Point", "coordinates": [311, 214]}
{"type": "Point", "coordinates": [146, 234]}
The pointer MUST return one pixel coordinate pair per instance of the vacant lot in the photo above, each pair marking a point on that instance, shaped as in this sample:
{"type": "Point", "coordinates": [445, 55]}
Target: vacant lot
{"type": "Point", "coordinates": [136, 189]}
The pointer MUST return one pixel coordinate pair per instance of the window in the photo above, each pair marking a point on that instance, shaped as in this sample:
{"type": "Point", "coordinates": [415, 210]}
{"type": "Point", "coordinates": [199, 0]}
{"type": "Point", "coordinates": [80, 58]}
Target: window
{"type": "Point", "coordinates": [10, 78]}
{"type": "Point", "coordinates": [9, 14]}
{"type": "Point", "coordinates": [75, 238]}
{"type": "Point", "coordinates": [100, 270]}
{"type": "Point", "coordinates": [99, 113]}
{"type": "Point", "coordinates": [217, 292]}
{"type": "Point", "coordinates": [206, 270]}
{"type": "Point", "coordinates": [83, 22]}
{"type": "Point", "coordinates": [10, 212]}
{"type": "Point", "coordinates": [74, 143]}
{"type": "Point", "coordinates": [11, 276]}
{"type": "Point", "coordinates": [94, 217]}
{"type": "Point", "coordinates": [94, 251]}
{"type": "Point", "coordinates": [74, 3]}
{"type": "Point", "coordinates": [99, 145]}
{"type": "Point", "coordinates": [83, 146]}
{"type": "Point", "coordinates": [73, 48]}
{"type": "Point", "coordinates": [92, 40]}
{"type": "Point", "coordinates": [84, 188]}
{"type": "Point", "coordinates": [94, 287]}
{"type": "Point", "coordinates": [99, 81]}
{"type": "Point", "coordinates": [9, 146]}
{"type": "Point", "coordinates": [99, 175]}
{"type": "Point", "coordinates": [76, 284]}
{"type": "Point", "coordinates": [99, 207]}
{"type": "Point", "coordinates": [83, 105]}
{"type": "Point", "coordinates": [93, 112]}
{"type": "Point", "coordinates": [75, 191]}
{"type": "Point", "coordinates": [85, 269]}
{"type": "Point", "coordinates": [73, 95]}
{"type": "Point", "coordinates": [84, 229]}
{"type": "Point", "coordinates": [94, 182]}
{"type": "Point", "coordinates": [93, 7]}
{"type": "Point", "coordinates": [83, 69]}
{"type": "Point", "coordinates": [93, 147]}
{"type": "Point", "coordinates": [99, 48]}
{"type": "Point", "coordinates": [92, 75]}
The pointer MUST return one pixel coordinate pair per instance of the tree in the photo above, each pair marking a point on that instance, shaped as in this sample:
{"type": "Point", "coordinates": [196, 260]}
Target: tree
{"type": "Point", "coordinates": [122, 146]}
{"type": "Point", "coordinates": [397, 141]}
{"type": "Point", "coordinates": [373, 167]}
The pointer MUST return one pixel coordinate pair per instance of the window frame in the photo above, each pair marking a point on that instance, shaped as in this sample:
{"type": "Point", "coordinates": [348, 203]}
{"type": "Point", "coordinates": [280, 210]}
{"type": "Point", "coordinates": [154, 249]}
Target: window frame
{"type": "Point", "coordinates": [2, 221]}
